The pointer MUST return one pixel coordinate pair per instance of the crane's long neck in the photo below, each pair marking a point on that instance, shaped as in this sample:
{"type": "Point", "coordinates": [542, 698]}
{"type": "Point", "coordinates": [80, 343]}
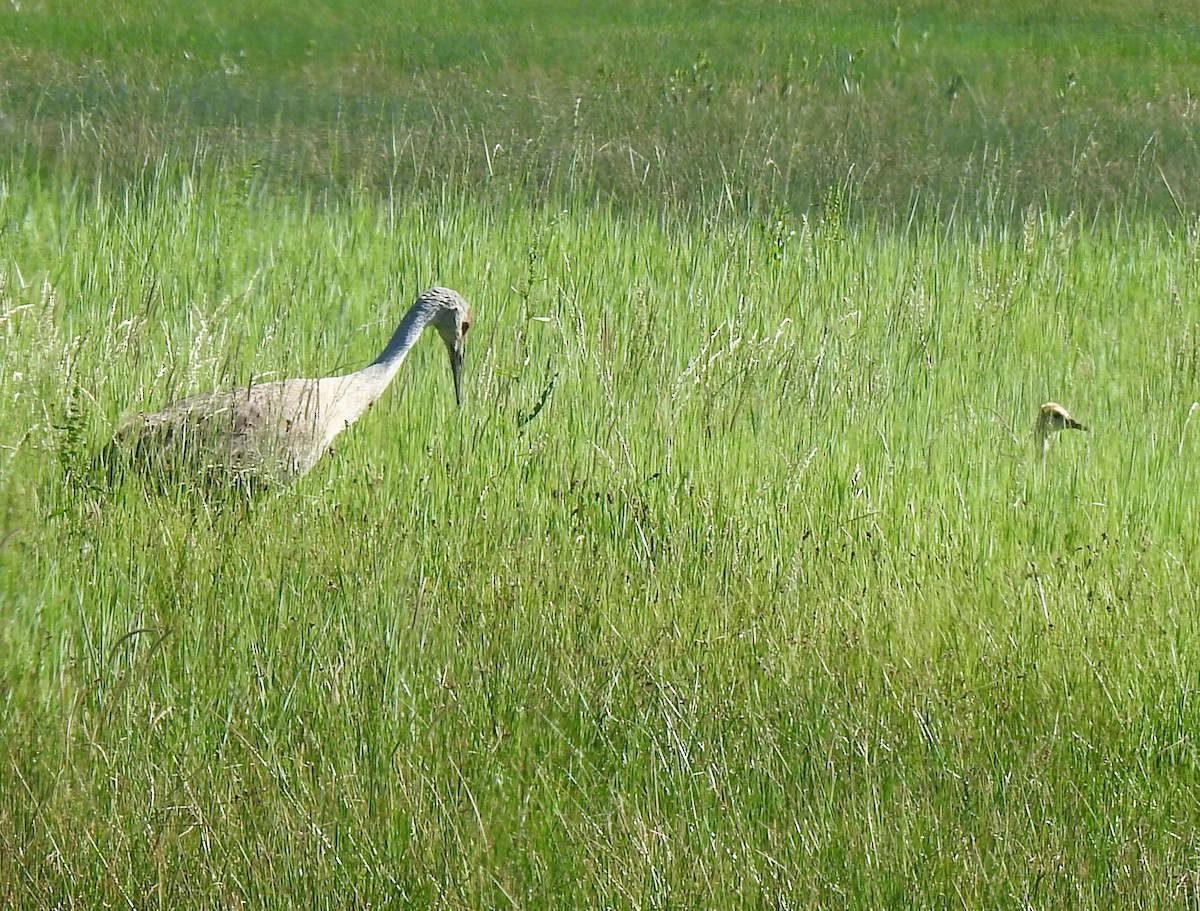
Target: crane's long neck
{"type": "Point", "coordinates": [379, 373]}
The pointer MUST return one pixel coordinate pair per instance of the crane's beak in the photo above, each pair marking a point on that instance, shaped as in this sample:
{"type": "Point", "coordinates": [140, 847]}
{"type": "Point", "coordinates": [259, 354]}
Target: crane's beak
{"type": "Point", "coordinates": [456, 366]}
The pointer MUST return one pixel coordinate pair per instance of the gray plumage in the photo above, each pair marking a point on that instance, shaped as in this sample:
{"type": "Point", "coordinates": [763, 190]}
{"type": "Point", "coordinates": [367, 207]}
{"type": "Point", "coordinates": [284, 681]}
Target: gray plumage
{"type": "Point", "coordinates": [278, 431]}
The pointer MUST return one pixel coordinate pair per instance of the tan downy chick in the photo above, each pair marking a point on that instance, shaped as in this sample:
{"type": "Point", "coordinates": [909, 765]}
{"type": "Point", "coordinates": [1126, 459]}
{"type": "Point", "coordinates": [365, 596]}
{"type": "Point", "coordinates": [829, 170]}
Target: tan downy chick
{"type": "Point", "coordinates": [1052, 418]}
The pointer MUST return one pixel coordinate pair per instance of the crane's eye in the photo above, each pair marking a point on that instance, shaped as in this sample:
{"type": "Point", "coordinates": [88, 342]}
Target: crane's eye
{"type": "Point", "coordinates": [465, 326]}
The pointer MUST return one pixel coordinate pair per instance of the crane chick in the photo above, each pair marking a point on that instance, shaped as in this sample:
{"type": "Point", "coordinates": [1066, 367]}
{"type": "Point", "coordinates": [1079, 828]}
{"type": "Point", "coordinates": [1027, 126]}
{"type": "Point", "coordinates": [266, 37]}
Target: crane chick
{"type": "Point", "coordinates": [278, 431]}
{"type": "Point", "coordinates": [1052, 418]}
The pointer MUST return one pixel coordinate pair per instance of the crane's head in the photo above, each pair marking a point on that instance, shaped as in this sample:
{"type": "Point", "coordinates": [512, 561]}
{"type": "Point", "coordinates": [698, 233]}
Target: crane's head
{"type": "Point", "coordinates": [452, 317]}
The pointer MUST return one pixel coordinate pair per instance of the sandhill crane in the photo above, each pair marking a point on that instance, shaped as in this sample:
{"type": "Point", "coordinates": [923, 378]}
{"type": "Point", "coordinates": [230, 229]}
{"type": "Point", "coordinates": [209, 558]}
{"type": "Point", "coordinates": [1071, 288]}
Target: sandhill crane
{"type": "Point", "coordinates": [277, 431]}
{"type": "Point", "coordinates": [1053, 417]}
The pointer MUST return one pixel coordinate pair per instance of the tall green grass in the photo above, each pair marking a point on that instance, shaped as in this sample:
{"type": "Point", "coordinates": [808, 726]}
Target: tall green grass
{"type": "Point", "coordinates": [738, 580]}
{"type": "Point", "coordinates": [1086, 107]}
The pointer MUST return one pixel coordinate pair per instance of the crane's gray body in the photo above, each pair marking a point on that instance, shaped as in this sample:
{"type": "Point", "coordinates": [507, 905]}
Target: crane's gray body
{"type": "Point", "coordinates": [279, 430]}
{"type": "Point", "coordinates": [273, 429]}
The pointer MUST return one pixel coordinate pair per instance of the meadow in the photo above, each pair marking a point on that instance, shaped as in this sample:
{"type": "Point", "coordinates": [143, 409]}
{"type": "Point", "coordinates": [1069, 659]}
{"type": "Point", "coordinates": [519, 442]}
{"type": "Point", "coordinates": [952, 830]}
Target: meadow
{"type": "Point", "coordinates": [738, 580]}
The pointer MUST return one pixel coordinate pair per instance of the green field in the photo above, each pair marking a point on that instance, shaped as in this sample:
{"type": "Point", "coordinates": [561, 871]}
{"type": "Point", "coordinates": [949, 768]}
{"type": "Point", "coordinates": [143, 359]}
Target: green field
{"type": "Point", "coordinates": [739, 579]}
